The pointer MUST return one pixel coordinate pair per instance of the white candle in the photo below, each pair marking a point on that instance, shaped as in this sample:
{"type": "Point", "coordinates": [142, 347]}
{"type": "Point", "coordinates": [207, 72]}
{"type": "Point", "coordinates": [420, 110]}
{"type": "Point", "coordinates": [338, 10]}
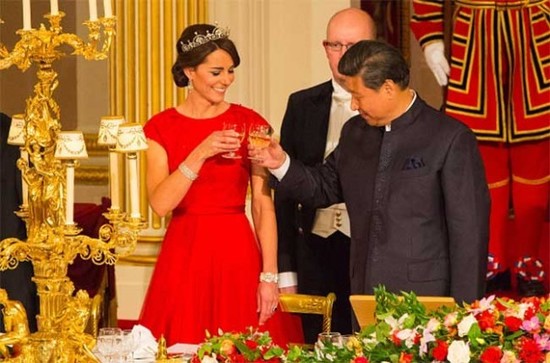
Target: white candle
{"type": "Point", "coordinates": [69, 206]}
{"type": "Point", "coordinates": [93, 9]}
{"type": "Point", "coordinates": [24, 186]}
{"type": "Point", "coordinates": [27, 15]}
{"type": "Point", "coordinates": [134, 193]}
{"type": "Point", "coordinates": [107, 8]}
{"type": "Point", "coordinates": [114, 184]}
{"type": "Point", "coordinates": [54, 9]}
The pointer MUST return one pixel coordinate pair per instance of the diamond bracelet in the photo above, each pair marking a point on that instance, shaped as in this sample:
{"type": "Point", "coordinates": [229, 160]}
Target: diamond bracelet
{"type": "Point", "coordinates": [188, 173]}
{"type": "Point", "coordinates": [269, 277]}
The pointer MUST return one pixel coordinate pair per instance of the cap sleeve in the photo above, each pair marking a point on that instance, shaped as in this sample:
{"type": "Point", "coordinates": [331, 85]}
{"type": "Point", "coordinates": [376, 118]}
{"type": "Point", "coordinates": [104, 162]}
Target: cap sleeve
{"type": "Point", "coordinates": [152, 130]}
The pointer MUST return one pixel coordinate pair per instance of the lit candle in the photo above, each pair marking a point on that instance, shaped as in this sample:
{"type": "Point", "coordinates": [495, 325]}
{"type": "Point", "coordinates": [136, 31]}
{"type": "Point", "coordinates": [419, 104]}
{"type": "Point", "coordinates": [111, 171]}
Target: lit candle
{"type": "Point", "coordinates": [134, 193]}
{"type": "Point", "coordinates": [25, 187]}
{"type": "Point", "coordinates": [69, 206]}
{"type": "Point", "coordinates": [27, 15]}
{"type": "Point", "coordinates": [113, 162]}
{"type": "Point", "coordinates": [54, 9]}
{"type": "Point", "coordinates": [107, 8]}
{"type": "Point", "coordinates": [93, 9]}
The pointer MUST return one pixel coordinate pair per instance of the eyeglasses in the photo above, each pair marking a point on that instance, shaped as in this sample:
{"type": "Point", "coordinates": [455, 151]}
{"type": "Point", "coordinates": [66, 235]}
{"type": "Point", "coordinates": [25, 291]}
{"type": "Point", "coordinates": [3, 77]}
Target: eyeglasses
{"type": "Point", "coordinates": [336, 46]}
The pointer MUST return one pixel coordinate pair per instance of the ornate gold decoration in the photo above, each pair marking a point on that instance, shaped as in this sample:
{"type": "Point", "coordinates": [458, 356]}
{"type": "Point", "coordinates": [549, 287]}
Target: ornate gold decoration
{"type": "Point", "coordinates": [162, 353]}
{"type": "Point", "coordinates": [94, 147]}
{"type": "Point", "coordinates": [52, 244]}
{"type": "Point", "coordinates": [92, 175]}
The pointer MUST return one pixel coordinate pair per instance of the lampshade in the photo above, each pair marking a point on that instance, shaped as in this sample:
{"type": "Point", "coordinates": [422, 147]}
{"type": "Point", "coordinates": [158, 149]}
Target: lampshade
{"type": "Point", "coordinates": [16, 135]}
{"type": "Point", "coordinates": [108, 128]}
{"type": "Point", "coordinates": [70, 145]}
{"type": "Point", "coordinates": [130, 138]}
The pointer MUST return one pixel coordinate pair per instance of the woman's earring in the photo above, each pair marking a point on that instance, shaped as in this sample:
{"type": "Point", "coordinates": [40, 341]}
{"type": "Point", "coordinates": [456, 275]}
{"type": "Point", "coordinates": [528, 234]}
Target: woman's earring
{"type": "Point", "coordinates": [190, 84]}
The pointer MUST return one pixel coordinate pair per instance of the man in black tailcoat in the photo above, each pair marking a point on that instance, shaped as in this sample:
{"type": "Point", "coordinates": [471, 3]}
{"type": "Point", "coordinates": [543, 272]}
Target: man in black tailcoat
{"type": "Point", "coordinates": [313, 250]}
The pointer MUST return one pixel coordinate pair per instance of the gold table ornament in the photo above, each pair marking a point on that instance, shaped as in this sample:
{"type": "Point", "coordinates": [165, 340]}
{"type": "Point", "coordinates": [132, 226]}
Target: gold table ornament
{"type": "Point", "coordinates": [53, 241]}
{"type": "Point", "coordinates": [131, 140]}
{"type": "Point", "coordinates": [107, 135]}
{"type": "Point", "coordinates": [70, 147]}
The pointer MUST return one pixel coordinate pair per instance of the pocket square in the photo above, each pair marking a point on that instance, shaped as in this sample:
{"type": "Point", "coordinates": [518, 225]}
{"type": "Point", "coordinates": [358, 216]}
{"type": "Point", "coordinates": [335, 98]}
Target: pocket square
{"type": "Point", "coordinates": [414, 162]}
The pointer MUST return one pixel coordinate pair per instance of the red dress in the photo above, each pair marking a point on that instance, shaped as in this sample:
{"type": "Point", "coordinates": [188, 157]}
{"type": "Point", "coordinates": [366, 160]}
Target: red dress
{"type": "Point", "coordinates": [206, 275]}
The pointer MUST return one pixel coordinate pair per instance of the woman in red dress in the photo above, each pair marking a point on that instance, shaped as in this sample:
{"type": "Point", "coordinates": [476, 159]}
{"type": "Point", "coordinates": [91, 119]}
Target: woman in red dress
{"type": "Point", "coordinates": [214, 271]}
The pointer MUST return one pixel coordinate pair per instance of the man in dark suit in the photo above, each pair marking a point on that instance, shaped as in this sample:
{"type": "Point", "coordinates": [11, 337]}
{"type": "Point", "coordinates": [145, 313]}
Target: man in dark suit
{"type": "Point", "coordinates": [17, 282]}
{"type": "Point", "coordinates": [313, 250]}
{"type": "Point", "coordinates": [411, 177]}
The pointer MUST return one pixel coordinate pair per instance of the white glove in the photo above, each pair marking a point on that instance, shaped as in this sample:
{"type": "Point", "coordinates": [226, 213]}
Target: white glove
{"type": "Point", "coordinates": [435, 57]}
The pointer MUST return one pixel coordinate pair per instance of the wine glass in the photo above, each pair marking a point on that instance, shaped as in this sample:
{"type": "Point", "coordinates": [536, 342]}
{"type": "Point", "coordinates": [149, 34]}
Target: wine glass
{"type": "Point", "coordinates": [108, 342]}
{"type": "Point", "coordinates": [240, 130]}
{"type": "Point", "coordinates": [259, 136]}
{"type": "Point", "coordinates": [130, 343]}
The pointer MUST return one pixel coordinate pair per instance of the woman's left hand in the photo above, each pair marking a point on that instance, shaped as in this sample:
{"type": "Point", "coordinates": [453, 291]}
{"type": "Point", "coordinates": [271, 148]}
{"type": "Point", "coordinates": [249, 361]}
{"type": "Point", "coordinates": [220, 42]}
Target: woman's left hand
{"type": "Point", "coordinates": [268, 300]}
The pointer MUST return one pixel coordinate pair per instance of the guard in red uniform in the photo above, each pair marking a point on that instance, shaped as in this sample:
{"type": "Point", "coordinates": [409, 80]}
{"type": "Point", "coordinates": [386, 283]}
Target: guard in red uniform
{"type": "Point", "coordinates": [498, 83]}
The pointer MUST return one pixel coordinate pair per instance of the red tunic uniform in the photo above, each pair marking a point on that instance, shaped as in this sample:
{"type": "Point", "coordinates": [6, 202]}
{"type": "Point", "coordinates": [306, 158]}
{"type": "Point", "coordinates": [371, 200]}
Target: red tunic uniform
{"type": "Point", "coordinates": [499, 85]}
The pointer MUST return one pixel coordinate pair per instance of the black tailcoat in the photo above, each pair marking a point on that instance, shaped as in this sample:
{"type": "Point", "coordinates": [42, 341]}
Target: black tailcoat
{"type": "Point", "coordinates": [322, 264]}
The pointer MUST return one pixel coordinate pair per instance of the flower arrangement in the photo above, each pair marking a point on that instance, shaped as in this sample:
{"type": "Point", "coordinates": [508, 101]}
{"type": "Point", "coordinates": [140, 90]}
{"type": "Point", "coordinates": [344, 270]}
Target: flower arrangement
{"type": "Point", "coordinates": [491, 330]}
{"type": "Point", "coordinates": [251, 346]}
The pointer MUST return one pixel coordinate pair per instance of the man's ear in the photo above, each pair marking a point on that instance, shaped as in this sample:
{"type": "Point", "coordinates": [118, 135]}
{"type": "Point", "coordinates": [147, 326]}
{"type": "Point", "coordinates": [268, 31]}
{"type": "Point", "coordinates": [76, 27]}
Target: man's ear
{"type": "Point", "coordinates": [389, 86]}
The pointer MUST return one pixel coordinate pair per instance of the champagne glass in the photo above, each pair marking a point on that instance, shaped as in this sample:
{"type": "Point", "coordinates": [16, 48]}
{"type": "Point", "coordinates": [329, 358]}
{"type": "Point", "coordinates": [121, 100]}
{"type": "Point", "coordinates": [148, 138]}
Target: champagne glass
{"type": "Point", "coordinates": [108, 342]}
{"type": "Point", "coordinates": [259, 136]}
{"type": "Point", "coordinates": [240, 130]}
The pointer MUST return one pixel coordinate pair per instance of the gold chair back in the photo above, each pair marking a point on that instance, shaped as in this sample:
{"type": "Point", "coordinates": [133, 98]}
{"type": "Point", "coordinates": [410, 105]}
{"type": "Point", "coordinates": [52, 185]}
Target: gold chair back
{"type": "Point", "coordinates": [309, 304]}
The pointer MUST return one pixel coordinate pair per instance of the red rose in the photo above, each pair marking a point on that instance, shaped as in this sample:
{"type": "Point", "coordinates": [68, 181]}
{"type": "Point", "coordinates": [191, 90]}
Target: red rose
{"type": "Point", "coordinates": [529, 351]}
{"type": "Point", "coordinates": [491, 355]}
{"type": "Point", "coordinates": [251, 344]}
{"type": "Point", "coordinates": [360, 360]}
{"type": "Point", "coordinates": [440, 350]}
{"type": "Point", "coordinates": [405, 357]}
{"type": "Point", "coordinates": [512, 323]}
{"type": "Point", "coordinates": [236, 358]}
{"type": "Point", "coordinates": [417, 338]}
{"type": "Point", "coordinates": [499, 306]}
{"type": "Point", "coordinates": [395, 339]}
{"type": "Point", "coordinates": [529, 313]}
{"type": "Point", "coordinates": [486, 320]}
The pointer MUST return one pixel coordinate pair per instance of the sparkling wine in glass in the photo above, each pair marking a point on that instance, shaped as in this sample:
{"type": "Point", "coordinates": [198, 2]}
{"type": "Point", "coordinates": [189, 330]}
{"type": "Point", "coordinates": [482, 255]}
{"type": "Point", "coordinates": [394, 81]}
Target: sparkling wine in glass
{"type": "Point", "coordinates": [239, 129]}
{"type": "Point", "coordinates": [259, 136]}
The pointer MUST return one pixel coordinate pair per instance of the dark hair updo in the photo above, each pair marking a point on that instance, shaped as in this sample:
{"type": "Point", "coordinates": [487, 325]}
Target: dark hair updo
{"type": "Point", "coordinates": [195, 56]}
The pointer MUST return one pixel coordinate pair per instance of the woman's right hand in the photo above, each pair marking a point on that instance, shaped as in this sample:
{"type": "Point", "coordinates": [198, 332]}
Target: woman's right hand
{"type": "Point", "coordinates": [218, 142]}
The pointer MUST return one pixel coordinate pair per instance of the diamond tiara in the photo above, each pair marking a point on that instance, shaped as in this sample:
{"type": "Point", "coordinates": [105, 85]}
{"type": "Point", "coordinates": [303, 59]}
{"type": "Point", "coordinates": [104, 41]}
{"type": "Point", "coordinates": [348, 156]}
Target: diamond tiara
{"type": "Point", "coordinates": [200, 39]}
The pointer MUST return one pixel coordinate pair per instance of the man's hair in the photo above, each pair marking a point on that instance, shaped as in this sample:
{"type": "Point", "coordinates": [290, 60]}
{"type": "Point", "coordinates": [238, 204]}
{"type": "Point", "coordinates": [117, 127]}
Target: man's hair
{"type": "Point", "coordinates": [375, 62]}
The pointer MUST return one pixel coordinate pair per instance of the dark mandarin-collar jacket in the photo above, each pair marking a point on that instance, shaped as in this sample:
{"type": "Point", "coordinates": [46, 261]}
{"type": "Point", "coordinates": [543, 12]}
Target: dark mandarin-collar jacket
{"type": "Point", "coordinates": [417, 199]}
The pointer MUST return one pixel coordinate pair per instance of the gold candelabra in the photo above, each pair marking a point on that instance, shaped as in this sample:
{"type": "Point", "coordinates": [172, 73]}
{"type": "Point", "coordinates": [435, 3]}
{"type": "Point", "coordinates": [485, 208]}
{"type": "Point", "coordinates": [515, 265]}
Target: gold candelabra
{"type": "Point", "coordinates": [53, 239]}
